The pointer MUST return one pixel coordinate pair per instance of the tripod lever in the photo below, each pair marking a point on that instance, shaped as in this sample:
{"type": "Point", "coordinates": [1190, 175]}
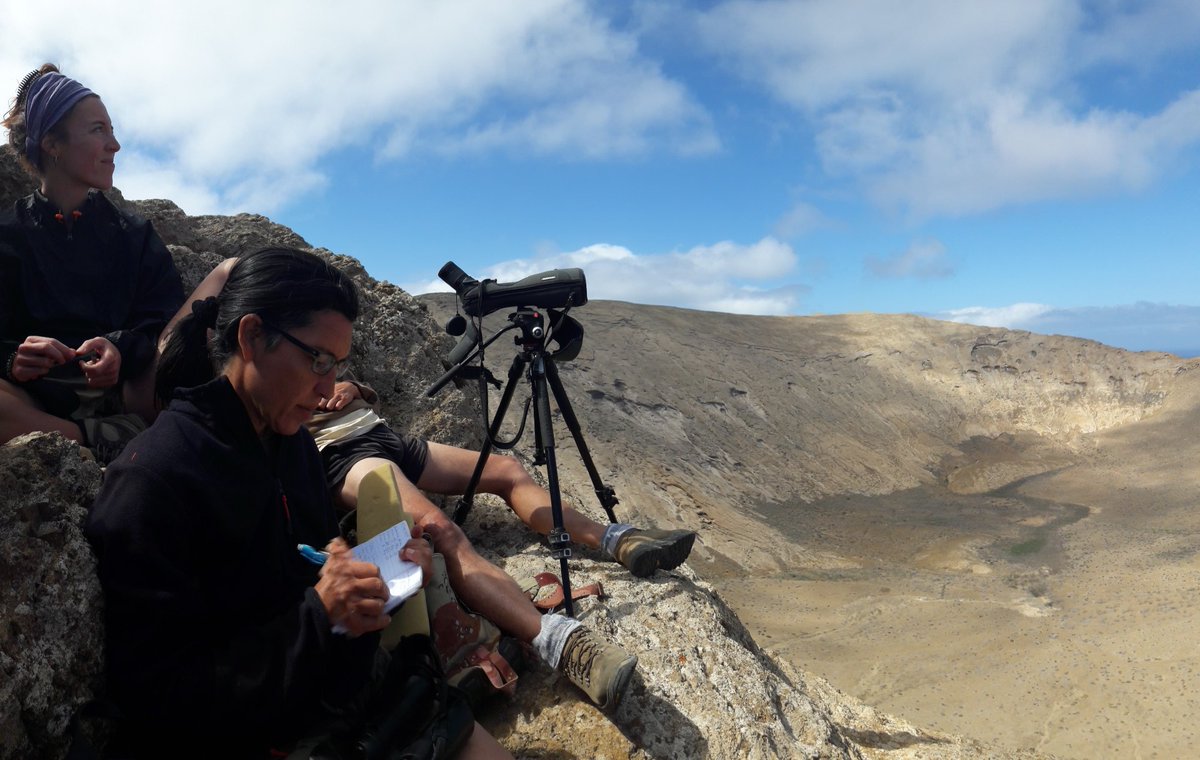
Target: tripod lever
{"type": "Point", "coordinates": [560, 543]}
{"type": "Point", "coordinates": [474, 373]}
{"type": "Point", "coordinates": [461, 508]}
{"type": "Point", "coordinates": [608, 500]}
{"type": "Point", "coordinates": [469, 346]}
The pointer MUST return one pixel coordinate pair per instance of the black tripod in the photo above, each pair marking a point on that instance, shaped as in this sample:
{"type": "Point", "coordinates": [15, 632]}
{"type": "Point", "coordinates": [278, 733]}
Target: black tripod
{"type": "Point", "coordinates": [538, 365]}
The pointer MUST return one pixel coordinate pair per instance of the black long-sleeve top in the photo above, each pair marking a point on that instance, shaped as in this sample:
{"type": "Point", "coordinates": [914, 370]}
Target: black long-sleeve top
{"type": "Point", "coordinates": [108, 274]}
{"type": "Point", "coordinates": [216, 640]}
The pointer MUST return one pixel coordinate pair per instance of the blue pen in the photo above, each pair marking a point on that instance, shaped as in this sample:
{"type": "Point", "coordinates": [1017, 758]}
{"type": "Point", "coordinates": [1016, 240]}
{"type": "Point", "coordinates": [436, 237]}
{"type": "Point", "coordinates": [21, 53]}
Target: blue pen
{"type": "Point", "coordinates": [311, 554]}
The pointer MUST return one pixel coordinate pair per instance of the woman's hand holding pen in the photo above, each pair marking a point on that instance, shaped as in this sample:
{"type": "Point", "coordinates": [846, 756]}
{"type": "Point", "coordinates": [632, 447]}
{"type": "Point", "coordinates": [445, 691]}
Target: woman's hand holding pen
{"type": "Point", "coordinates": [352, 591]}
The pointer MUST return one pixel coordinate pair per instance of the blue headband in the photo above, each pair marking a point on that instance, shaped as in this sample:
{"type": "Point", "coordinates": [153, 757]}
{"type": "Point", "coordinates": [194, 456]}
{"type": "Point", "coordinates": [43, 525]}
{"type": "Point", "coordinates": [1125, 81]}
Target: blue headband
{"type": "Point", "coordinates": [50, 97]}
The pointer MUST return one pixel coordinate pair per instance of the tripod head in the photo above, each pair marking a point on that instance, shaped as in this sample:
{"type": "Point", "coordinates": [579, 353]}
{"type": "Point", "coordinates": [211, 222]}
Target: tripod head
{"type": "Point", "coordinates": [566, 332]}
{"type": "Point", "coordinates": [532, 325]}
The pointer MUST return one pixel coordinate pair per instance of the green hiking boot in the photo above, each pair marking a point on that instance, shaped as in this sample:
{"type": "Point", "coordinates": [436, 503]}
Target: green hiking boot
{"type": "Point", "coordinates": [598, 667]}
{"type": "Point", "coordinates": [107, 436]}
{"type": "Point", "coordinates": [644, 551]}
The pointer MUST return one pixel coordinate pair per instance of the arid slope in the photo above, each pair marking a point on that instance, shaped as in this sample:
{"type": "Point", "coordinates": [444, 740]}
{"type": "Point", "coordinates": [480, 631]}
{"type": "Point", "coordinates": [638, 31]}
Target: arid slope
{"type": "Point", "coordinates": [987, 531]}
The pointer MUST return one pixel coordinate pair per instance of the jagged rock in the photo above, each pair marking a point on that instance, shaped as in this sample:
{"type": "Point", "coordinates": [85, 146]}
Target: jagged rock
{"type": "Point", "coordinates": [51, 633]}
{"type": "Point", "coordinates": [224, 236]}
{"type": "Point", "coordinates": [705, 689]}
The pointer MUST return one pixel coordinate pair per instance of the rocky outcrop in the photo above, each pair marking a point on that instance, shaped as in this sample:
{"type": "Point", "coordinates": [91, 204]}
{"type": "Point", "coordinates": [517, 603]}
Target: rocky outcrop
{"type": "Point", "coordinates": [51, 633]}
{"type": "Point", "coordinates": [705, 688]}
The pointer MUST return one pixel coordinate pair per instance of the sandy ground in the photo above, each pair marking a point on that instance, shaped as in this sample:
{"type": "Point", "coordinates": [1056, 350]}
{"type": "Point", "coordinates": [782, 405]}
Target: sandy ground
{"type": "Point", "coordinates": [1059, 613]}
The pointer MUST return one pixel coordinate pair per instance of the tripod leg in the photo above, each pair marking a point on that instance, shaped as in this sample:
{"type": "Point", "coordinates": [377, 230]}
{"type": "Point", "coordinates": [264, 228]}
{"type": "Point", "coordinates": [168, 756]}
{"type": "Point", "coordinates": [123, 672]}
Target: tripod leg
{"type": "Point", "coordinates": [606, 495]}
{"type": "Point", "coordinates": [465, 502]}
{"type": "Point", "coordinates": [559, 539]}
{"type": "Point", "coordinates": [539, 449]}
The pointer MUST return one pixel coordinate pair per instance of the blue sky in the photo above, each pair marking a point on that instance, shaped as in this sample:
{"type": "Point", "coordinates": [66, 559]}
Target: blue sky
{"type": "Point", "coordinates": [1033, 165]}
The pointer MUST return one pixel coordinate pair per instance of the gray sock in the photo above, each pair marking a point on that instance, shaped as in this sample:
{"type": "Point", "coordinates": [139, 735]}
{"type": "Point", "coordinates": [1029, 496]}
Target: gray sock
{"type": "Point", "coordinates": [612, 534]}
{"type": "Point", "coordinates": [550, 641]}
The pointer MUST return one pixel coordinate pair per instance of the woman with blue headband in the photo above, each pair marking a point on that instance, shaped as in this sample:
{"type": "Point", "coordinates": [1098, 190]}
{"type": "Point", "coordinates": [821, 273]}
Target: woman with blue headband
{"type": "Point", "coordinates": [85, 288]}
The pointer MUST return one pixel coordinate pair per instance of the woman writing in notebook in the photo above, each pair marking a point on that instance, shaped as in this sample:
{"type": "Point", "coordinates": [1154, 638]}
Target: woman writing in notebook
{"type": "Point", "coordinates": [222, 638]}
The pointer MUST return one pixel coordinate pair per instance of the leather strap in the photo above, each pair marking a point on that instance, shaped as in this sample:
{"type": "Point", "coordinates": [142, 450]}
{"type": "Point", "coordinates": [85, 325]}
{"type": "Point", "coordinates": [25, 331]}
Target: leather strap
{"type": "Point", "coordinates": [497, 669]}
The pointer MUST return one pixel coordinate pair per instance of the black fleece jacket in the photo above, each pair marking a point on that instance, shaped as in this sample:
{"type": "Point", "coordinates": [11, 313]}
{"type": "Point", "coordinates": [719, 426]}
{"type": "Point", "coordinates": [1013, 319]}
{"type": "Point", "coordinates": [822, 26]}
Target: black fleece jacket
{"type": "Point", "coordinates": [109, 274]}
{"type": "Point", "coordinates": [216, 641]}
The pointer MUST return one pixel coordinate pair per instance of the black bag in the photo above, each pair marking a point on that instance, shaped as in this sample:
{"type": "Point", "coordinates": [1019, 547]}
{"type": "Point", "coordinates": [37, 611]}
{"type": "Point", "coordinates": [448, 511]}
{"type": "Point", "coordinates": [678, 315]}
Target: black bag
{"type": "Point", "coordinates": [415, 714]}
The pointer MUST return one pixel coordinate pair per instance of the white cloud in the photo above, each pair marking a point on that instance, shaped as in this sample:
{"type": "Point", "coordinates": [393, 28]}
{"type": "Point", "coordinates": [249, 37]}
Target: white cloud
{"type": "Point", "coordinates": [928, 107]}
{"type": "Point", "coordinates": [936, 108]}
{"type": "Point", "coordinates": [143, 177]}
{"type": "Point", "coordinates": [242, 100]}
{"type": "Point", "coordinates": [816, 54]}
{"type": "Point", "coordinates": [1138, 327]}
{"type": "Point", "coordinates": [1018, 316]}
{"type": "Point", "coordinates": [925, 259]}
{"type": "Point", "coordinates": [727, 277]}
{"type": "Point", "coordinates": [1010, 152]}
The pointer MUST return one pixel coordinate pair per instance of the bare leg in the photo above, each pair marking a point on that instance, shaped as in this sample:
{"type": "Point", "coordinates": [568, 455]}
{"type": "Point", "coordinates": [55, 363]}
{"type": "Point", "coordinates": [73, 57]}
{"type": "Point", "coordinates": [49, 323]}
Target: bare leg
{"type": "Point", "coordinates": [643, 552]}
{"type": "Point", "coordinates": [449, 469]}
{"type": "Point", "coordinates": [19, 414]}
{"type": "Point", "coordinates": [485, 588]}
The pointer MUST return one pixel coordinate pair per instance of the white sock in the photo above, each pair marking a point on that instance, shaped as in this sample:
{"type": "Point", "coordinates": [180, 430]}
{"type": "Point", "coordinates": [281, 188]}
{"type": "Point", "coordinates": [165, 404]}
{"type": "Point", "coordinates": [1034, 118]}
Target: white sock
{"type": "Point", "coordinates": [550, 641]}
{"type": "Point", "coordinates": [612, 534]}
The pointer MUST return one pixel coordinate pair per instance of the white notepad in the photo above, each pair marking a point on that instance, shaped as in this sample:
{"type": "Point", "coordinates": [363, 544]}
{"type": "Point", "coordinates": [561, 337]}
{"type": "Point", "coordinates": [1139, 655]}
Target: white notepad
{"type": "Point", "coordinates": [403, 578]}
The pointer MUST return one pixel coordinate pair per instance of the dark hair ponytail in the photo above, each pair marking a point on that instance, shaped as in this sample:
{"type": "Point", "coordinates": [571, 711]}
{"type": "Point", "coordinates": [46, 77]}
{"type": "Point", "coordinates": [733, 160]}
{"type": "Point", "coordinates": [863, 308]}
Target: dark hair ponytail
{"type": "Point", "coordinates": [283, 286]}
{"type": "Point", "coordinates": [14, 121]}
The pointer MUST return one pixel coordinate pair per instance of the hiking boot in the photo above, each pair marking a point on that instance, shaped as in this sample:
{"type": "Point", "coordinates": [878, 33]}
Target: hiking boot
{"type": "Point", "coordinates": [602, 669]}
{"type": "Point", "coordinates": [644, 551]}
{"type": "Point", "coordinates": [107, 436]}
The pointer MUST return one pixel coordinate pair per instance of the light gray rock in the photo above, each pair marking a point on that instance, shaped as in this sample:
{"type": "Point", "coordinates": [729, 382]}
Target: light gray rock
{"type": "Point", "coordinates": [51, 633]}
